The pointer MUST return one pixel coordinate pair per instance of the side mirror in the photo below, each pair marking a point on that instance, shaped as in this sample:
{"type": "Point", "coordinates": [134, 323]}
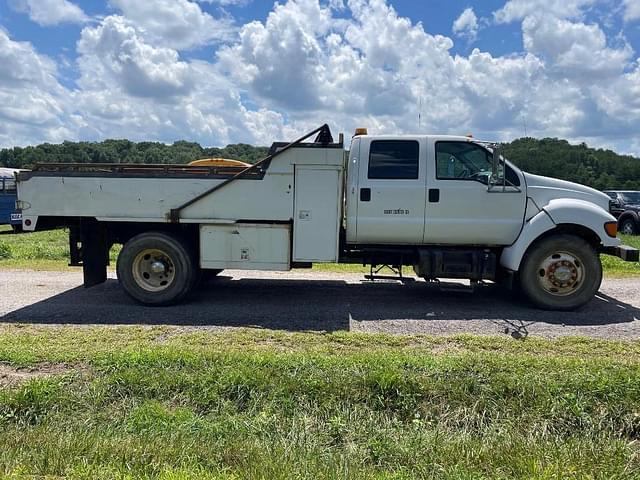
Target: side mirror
{"type": "Point", "coordinates": [497, 170]}
{"type": "Point", "coordinates": [495, 164]}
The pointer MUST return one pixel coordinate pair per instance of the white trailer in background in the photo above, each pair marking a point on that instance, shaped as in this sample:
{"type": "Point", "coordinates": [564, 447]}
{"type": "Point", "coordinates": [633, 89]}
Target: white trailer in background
{"type": "Point", "coordinates": [450, 207]}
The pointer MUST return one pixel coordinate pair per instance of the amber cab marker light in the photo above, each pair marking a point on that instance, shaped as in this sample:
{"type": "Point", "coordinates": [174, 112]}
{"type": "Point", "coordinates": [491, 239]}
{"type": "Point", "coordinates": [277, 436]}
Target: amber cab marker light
{"type": "Point", "coordinates": [611, 228]}
{"type": "Point", "coordinates": [360, 131]}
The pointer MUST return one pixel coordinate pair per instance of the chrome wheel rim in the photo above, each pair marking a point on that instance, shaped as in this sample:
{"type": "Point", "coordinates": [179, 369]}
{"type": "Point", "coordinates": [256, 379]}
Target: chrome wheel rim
{"type": "Point", "coordinates": [561, 273]}
{"type": "Point", "coordinates": [627, 228]}
{"type": "Point", "coordinates": [153, 270]}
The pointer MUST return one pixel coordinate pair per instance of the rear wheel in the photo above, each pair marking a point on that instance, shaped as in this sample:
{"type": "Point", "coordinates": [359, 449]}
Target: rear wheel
{"type": "Point", "coordinates": [155, 268]}
{"type": "Point", "coordinates": [628, 226]}
{"type": "Point", "coordinates": [562, 272]}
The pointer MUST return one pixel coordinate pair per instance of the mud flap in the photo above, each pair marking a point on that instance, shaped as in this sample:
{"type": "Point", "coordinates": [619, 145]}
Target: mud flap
{"type": "Point", "coordinates": [89, 247]}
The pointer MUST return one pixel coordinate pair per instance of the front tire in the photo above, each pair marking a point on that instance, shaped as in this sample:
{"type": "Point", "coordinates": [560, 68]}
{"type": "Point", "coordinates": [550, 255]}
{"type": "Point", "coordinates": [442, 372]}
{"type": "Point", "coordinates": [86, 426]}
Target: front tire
{"type": "Point", "coordinates": [155, 268]}
{"type": "Point", "coordinates": [561, 272]}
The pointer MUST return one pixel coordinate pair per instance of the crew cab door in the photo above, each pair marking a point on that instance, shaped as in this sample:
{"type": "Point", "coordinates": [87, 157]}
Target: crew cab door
{"type": "Point", "coordinates": [391, 191]}
{"type": "Point", "coordinates": [462, 209]}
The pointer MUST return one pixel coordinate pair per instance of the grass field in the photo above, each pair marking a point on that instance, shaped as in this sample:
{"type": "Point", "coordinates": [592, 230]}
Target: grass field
{"type": "Point", "coordinates": [50, 251]}
{"type": "Point", "coordinates": [174, 404]}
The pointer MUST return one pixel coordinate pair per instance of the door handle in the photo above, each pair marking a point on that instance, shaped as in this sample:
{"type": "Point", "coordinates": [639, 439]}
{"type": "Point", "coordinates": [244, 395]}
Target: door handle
{"type": "Point", "coordinates": [365, 194]}
{"type": "Point", "coordinates": [434, 195]}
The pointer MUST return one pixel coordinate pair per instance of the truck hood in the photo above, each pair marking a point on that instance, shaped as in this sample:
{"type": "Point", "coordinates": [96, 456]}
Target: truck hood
{"type": "Point", "coordinates": [544, 189]}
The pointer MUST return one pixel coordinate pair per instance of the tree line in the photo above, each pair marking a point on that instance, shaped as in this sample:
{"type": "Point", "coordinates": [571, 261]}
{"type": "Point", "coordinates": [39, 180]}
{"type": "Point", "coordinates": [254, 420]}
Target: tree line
{"type": "Point", "coordinates": [124, 151]}
{"type": "Point", "coordinates": [598, 168]}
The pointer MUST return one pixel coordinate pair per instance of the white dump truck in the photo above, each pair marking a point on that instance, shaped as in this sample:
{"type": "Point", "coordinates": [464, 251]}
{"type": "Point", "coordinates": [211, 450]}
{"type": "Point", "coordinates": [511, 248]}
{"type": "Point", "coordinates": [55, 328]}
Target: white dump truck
{"type": "Point", "coordinates": [448, 206]}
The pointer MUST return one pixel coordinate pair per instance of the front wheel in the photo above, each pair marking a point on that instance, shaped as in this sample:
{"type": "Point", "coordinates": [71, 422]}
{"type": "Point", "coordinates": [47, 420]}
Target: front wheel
{"type": "Point", "coordinates": [561, 272]}
{"type": "Point", "coordinates": [155, 268]}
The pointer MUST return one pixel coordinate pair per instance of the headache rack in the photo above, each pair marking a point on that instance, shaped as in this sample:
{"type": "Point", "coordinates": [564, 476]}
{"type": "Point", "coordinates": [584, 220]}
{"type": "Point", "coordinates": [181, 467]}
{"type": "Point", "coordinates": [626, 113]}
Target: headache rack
{"type": "Point", "coordinates": [131, 169]}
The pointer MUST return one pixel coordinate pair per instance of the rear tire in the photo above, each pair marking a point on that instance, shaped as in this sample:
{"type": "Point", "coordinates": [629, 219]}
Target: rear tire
{"type": "Point", "coordinates": [562, 272]}
{"type": "Point", "coordinates": [629, 227]}
{"type": "Point", "coordinates": [155, 268]}
{"type": "Point", "coordinates": [16, 228]}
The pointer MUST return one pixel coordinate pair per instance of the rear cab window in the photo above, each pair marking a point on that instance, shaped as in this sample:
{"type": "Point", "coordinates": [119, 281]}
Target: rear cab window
{"type": "Point", "coordinates": [394, 159]}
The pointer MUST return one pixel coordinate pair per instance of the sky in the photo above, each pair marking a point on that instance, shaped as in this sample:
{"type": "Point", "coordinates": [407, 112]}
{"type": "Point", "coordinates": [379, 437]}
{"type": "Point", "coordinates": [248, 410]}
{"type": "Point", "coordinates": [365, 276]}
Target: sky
{"type": "Point", "coordinates": [254, 71]}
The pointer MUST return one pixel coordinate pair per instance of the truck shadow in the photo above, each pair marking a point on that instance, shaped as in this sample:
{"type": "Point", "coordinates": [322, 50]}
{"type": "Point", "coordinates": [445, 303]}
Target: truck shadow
{"type": "Point", "coordinates": [323, 305]}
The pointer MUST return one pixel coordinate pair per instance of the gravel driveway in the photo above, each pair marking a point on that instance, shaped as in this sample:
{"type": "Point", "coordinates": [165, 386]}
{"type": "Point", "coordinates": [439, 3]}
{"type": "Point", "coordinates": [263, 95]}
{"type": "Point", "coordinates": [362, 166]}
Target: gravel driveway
{"type": "Point", "coordinates": [322, 302]}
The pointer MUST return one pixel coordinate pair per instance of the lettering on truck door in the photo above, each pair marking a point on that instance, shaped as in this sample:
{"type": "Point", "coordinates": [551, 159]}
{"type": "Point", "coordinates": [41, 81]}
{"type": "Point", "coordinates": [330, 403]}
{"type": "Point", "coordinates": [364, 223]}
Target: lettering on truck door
{"type": "Point", "coordinates": [391, 194]}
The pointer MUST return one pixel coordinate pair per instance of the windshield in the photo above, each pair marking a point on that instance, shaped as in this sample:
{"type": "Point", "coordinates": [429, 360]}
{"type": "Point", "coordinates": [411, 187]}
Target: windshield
{"type": "Point", "coordinates": [7, 185]}
{"type": "Point", "coordinates": [631, 197]}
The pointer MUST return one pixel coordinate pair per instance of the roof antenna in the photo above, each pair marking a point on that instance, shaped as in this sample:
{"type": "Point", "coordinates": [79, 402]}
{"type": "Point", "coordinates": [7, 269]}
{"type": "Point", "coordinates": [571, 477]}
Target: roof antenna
{"type": "Point", "coordinates": [420, 116]}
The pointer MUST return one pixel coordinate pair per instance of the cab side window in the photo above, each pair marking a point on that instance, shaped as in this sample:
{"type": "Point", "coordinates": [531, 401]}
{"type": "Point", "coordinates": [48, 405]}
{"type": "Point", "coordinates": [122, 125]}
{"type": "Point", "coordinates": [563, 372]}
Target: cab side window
{"type": "Point", "coordinates": [461, 160]}
{"type": "Point", "coordinates": [468, 161]}
{"type": "Point", "coordinates": [394, 159]}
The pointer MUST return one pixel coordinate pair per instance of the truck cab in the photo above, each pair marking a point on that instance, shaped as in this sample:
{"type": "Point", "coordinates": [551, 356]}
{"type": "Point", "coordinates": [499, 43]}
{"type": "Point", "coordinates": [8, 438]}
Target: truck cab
{"type": "Point", "coordinates": [430, 190]}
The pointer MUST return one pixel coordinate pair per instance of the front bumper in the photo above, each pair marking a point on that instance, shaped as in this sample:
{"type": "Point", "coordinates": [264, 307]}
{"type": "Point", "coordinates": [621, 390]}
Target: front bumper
{"type": "Point", "coordinates": [624, 252]}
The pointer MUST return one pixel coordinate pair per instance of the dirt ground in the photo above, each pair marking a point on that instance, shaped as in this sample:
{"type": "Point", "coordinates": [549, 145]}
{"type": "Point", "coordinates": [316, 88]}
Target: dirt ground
{"type": "Point", "coordinates": [312, 301]}
{"type": "Point", "coordinates": [12, 376]}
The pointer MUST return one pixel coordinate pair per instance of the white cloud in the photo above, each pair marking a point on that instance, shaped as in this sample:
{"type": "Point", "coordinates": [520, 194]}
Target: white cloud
{"type": "Point", "coordinates": [178, 24]}
{"type": "Point", "coordinates": [115, 50]}
{"type": "Point", "coordinates": [225, 3]}
{"type": "Point", "coordinates": [515, 10]}
{"type": "Point", "coordinates": [574, 49]}
{"type": "Point", "coordinates": [631, 10]}
{"type": "Point", "coordinates": [33, 104]}
{"type": "Point", "coordinates": [466, 25]}
{"type": "Point", "coordinates": [620, 101]}
{"type": "Point", "coordinates": [283, 60]}
{"type": "Point", "coordinates": [130, 88]}
{"type": "Point", "coordinates": [50, 12]}
{"type": "Point", "coordinates": [354, 63]}
{"type": "Point", "coordinates": [359, 73]}
{"type": "Point", "coordinates": [211, 113]}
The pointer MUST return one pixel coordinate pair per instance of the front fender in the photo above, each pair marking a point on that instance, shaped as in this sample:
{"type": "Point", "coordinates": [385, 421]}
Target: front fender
{"type": "Point", "coordinates": [586, 214]}
{"type": "Point", "coordinates": [512, 255]}
{"type": "Point", "coordinates": [559, 212]}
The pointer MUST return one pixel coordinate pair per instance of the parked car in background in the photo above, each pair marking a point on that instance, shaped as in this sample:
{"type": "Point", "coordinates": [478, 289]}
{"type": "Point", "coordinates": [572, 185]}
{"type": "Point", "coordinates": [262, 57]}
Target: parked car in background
{"type": "Point", "coordinates": [625, 206]}
{"type": "Point", "coordinates": [8, 195]}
